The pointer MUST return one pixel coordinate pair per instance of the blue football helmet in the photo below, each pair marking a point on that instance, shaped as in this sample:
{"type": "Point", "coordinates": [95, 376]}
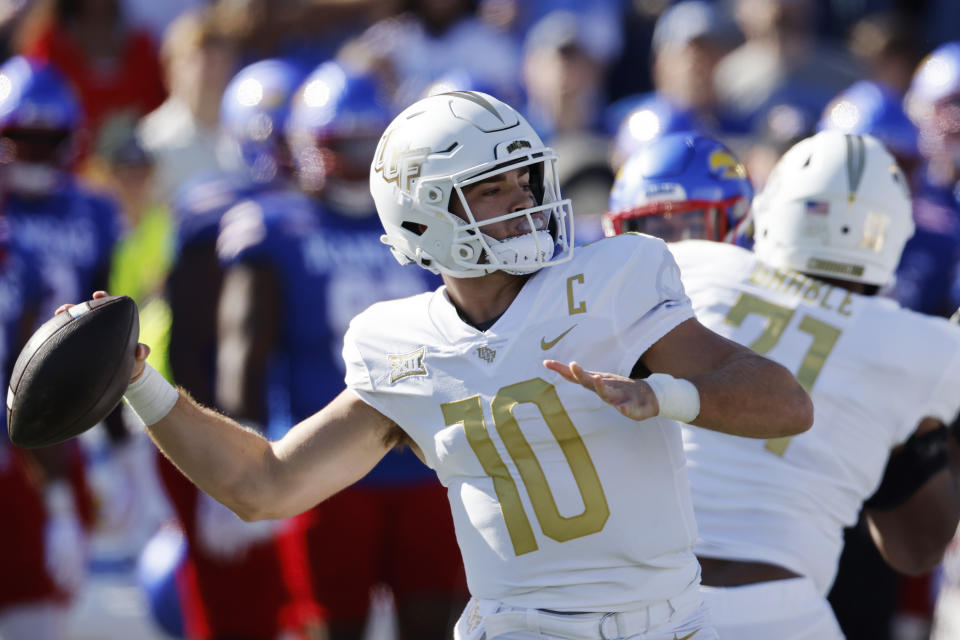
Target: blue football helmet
{"type": "Point", "coordinates": [680, 186]}
{"type": "Point", "coordinates": [39, 120]}
{"type": "Point", "coordinates": [253, 113]}
{"type": "Point", "coordinates": [336, 118]}
{"type": "Point", "coordinates": [869, 107]}
{"type": "Point", "coordinates": [933, 101]}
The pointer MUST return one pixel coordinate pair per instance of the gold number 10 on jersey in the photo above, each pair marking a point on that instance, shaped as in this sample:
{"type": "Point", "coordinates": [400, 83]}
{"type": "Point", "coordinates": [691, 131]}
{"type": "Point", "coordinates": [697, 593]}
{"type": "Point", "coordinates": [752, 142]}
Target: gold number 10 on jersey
{"type": "Point", "coordinates": [778, 317]}
{"type": "Point", "coordinates": [541, 393]}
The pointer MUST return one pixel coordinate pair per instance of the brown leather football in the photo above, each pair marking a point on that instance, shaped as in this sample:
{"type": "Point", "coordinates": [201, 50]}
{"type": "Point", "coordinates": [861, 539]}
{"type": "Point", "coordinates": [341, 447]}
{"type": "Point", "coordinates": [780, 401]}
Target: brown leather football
{"type": "Point", "coordinates": [72, 372]}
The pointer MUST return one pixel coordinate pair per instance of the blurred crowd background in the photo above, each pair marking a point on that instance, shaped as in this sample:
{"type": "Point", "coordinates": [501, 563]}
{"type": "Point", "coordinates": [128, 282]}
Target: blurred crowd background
{"type": "Point", "coordinates": [169, 114]}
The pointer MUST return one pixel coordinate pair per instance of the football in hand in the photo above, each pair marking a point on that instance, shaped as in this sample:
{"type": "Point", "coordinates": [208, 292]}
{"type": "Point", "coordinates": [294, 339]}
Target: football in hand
{"type": "Point", "coordinates": [72, 372]}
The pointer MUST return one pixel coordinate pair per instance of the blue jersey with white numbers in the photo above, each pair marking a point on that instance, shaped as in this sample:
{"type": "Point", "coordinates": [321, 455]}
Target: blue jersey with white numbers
{"type": "Point", "coordinates": [72, 234]}
{"type": "Point", "coordinates": [330, 268]}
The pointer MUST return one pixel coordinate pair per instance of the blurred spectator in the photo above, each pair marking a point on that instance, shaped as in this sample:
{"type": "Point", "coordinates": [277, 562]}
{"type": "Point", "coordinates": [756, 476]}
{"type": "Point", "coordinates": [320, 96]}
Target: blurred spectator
{"type": "Point", "coordinates": [413, 49]}
{"type": "Point", "coordinates": [689, 39]}
{"type": "Point", "coordinates": [199, 58]}
{"type": "Point", "coordinates": [305, 32]}
{"type": "Point", "coordinates": [564, 65]}
{"type": "Point", "coordinates": [887, 46]}
{"type": "Point", "coordinates": [782, 62]}
{"type": "Point", "coordinates": [940, 24]}
{"type": "Point", "coordinates": [600, 18]}
{"type": "Point", "coordinates": [112, 65]}
{"type": "Point", "coordinates": [13, 15]}
{"type": "Point", "coordinates": [143, 255]}
{"type": "Point", "coordinates": [563, 71]}
{"type": "Point", "coordinates": [157, 16]}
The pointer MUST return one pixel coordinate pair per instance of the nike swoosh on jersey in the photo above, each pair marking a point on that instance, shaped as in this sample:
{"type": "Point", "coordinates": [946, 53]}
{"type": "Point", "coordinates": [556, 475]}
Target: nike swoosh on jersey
{"type": "Point", "coordinates": [686, 637]}
{"type": "Point", "coordinates": [549, 345]}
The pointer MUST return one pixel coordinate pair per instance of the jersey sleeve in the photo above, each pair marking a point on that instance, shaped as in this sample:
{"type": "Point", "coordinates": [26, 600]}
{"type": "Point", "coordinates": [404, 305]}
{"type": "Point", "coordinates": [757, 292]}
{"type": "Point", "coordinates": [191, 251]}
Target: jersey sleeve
{"type": "Point", "coordinates": [651, 301]}
{"type": "Point", "coordinates": [357, 375]}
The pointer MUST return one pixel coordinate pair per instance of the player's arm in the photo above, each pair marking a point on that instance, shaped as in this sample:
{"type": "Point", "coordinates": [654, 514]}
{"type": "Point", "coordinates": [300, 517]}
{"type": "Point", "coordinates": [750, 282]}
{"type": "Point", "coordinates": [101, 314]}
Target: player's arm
{"type": "Point", "coordinates": [914, 513]}
{"type": "Point", "coordinates": [248, 321]}
{"type": "Point", "coordinates": [259, 479]}
{"type": "Point", "coordinates": [733, 390]}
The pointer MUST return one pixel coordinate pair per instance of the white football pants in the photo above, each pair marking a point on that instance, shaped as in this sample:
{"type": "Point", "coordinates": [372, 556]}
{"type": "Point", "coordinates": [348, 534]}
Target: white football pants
{"type": "Point", "coordinates": [783, 609]}
{"type": "Point", "coordinates": [683, 618]}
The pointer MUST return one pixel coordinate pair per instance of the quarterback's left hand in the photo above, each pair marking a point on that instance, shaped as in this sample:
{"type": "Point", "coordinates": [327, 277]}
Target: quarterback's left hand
{"type": "Point", "coordinates": [632, 398]}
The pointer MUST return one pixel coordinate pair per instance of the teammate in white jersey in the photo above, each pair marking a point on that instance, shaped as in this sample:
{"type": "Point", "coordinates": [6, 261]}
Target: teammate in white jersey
{"type": "Point", "coordinates": [829, 229]}
{"type": "Point", "coordinates": [574, 520]}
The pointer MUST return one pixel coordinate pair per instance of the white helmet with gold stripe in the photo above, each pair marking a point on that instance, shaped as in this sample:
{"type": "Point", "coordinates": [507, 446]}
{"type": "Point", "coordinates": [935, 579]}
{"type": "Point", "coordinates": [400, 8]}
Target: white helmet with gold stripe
{"type": "Point", "coordinates": [836, 205]}
{"type": "Point", "coordinates": [430, 153]}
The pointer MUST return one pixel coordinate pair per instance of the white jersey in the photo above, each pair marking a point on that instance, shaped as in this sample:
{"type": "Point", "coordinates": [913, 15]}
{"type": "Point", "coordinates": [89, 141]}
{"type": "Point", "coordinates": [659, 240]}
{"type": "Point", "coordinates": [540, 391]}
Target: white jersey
{"type": "Point", "coordinates": [873, 369]}
{"type": "Point", "coordinates": [559, 501]}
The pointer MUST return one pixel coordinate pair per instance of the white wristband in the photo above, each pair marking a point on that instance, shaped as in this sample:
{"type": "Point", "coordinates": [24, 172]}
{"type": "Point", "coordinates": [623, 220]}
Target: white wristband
{"type": "Point", "coordinates": [151, 397]}
{"type": "Point", "coordinates": [678, 398]}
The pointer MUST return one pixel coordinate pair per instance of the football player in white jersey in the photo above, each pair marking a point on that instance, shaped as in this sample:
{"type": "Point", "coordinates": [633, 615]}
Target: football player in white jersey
{"type": "Point", "coordinates": [829, 229]}
{"type": "Point", "coordinates": [574, 521]}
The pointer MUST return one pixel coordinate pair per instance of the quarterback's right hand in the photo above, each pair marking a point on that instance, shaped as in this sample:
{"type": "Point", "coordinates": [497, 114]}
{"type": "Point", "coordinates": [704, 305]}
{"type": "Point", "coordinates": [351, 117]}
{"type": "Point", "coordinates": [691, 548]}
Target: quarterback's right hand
{"type": "Point", "coordinates": [142, 350]}
{"type": "Point", "coordinates": [632, 398]}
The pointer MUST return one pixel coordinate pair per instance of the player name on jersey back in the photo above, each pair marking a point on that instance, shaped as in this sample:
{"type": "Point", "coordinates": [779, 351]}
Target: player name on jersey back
{"type": "Point", "coordinates": [873, 371]}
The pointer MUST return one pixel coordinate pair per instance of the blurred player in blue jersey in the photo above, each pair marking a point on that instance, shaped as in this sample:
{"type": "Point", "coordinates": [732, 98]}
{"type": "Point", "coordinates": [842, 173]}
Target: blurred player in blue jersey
{"type": "Point", "coordinates": [829, 227]}
{"type": "Point", "coordinates": [71, 231]}
{"type": "Point", "coordinates": [301, 261]}
{"type": "Point", "coordinates": [236, 579]}
{"type": "Point", "coordinates": [195, 277]}
{"type": "Point", "coordinates": [42, 491]}
{"type": "Point", "coordinates": [926, 276]}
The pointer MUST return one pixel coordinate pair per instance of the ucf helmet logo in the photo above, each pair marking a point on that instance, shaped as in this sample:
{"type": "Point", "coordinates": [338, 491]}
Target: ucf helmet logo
{"type": "Point", "coordinates": [400, 166]}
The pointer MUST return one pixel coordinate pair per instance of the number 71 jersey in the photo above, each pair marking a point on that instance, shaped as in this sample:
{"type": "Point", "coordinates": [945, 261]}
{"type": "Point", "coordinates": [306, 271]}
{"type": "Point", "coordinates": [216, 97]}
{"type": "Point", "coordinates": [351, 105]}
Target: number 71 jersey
{"type": "Point", "coordinates": [559, 501]}
{"type": "Point", "coordinates": [873, 370]}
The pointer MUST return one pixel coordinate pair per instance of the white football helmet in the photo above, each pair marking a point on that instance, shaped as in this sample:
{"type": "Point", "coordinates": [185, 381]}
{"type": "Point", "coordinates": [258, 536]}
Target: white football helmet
{"type": "Point", "coordinates": [446, 142]}
{"type": "Point", "coordinates": [836, 205]}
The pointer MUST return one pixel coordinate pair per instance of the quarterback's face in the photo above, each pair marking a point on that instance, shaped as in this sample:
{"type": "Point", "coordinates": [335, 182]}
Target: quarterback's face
{"type": "Point", "coordinates": [499, 195]}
